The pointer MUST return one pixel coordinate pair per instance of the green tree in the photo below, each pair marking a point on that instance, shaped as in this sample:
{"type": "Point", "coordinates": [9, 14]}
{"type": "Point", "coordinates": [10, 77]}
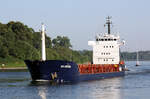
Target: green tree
{"type": "Point", "coordinates": [20, 42]}
{"type": "Point", "coordinates": [61, 41]}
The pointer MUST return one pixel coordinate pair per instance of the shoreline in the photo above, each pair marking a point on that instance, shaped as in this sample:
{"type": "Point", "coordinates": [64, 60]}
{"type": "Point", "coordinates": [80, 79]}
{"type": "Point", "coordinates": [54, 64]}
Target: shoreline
{"type": "Point", "coordinates": [13, 68]}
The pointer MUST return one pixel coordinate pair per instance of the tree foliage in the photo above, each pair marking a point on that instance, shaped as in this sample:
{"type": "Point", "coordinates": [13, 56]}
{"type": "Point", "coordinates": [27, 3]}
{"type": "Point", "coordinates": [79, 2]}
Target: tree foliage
{"type": "Point", "coordinates": [19, 41]}
{"type": "Point", "coordinates": [61, 42]}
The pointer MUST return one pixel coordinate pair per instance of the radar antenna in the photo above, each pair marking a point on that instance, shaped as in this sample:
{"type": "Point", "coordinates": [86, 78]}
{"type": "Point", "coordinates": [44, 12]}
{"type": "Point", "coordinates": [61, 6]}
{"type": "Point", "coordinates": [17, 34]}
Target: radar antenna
{"type": "Point", "coordinates": [108, 23]}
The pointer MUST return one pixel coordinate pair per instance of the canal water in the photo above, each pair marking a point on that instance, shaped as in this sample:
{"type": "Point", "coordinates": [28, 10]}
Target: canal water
{"type": "Point", "coordinates": [135, 85]}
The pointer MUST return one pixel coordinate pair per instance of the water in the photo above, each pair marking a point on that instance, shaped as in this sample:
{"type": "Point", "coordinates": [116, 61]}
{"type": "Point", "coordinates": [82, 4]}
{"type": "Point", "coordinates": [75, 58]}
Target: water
{"type": "Point", "coordinates": [135, 85]}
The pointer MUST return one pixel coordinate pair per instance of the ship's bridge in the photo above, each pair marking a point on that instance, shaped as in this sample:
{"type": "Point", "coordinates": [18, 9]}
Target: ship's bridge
{"type": "Point", "coordinates": [106, 47]}
{"type": "Point", "coordinates": [107, 37]}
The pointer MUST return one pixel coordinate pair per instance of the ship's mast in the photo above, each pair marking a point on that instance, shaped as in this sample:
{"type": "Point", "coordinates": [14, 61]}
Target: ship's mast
{"type": "Point", "coordinates": [108, 23]}
{"type": "Point", "coordinates": [43, 43]}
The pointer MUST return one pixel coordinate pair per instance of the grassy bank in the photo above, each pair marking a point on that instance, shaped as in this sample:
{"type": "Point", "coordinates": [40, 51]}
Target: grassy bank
{"type": "Point", "coordinates": [12, 62]}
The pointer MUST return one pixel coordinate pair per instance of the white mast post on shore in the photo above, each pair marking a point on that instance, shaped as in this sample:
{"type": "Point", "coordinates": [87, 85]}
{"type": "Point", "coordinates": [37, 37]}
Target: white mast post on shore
{"type": "Point", "coordinates": [43, 43]}
{"type": "Point", "coordinates": [137, 58]}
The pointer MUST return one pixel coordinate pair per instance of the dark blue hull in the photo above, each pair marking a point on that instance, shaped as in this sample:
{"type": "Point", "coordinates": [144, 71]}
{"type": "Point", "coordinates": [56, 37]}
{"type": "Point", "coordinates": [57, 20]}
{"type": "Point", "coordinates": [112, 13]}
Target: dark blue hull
{"type": "Point", "coordinates": [63, 71]}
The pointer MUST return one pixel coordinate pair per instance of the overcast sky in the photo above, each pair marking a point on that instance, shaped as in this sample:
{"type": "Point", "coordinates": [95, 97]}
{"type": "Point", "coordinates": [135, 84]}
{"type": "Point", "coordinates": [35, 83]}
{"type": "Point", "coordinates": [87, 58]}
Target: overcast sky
{"type": "Point", "coordinates": [81, 20]}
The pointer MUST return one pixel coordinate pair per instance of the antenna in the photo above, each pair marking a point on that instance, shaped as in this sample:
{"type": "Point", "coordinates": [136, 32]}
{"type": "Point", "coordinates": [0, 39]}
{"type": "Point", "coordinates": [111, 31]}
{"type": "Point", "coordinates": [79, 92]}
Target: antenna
{"type": "Point", "coordinates": [108, 23]}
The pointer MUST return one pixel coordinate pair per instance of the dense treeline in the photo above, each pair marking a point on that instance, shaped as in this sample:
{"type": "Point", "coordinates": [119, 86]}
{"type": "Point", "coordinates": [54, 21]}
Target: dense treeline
{"type": "Point", "coordinates": [20, 42]}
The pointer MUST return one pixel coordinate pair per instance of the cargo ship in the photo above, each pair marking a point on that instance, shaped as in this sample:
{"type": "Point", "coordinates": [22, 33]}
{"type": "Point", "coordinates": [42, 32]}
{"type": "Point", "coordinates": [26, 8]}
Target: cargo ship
{"type": "Point", "coordinates": [106, 62]}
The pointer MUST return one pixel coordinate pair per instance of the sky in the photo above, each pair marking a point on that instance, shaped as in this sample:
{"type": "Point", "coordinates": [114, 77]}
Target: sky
{"type": "Point", "coordinates": [81, 20]}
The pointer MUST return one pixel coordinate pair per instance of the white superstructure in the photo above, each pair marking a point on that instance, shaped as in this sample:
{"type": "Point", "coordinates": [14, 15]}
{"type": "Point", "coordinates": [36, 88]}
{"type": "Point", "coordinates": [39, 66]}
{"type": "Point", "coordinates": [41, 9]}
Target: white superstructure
{"type": "Point", "coordinates": [106, 48]}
